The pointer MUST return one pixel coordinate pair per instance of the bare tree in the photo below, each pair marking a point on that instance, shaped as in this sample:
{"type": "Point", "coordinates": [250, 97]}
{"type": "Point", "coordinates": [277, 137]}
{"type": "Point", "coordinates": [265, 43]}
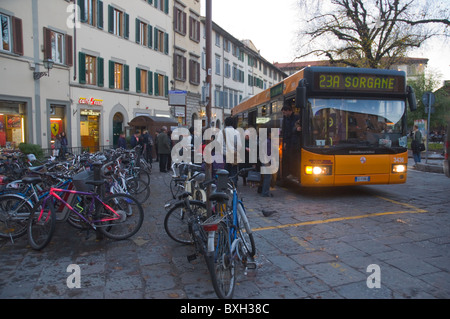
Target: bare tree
{"type": "Point", "coordinates": [370, 33]}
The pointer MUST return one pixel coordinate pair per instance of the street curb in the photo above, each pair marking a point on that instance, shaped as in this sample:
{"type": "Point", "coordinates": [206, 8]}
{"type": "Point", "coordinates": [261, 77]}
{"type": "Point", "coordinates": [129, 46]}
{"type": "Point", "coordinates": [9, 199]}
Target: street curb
{"type": "Point", "coordinates": [430, 168]}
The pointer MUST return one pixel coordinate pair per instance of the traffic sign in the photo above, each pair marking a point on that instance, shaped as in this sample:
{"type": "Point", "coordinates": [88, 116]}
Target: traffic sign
{"type": "Point", "coordinates": [428, 99]}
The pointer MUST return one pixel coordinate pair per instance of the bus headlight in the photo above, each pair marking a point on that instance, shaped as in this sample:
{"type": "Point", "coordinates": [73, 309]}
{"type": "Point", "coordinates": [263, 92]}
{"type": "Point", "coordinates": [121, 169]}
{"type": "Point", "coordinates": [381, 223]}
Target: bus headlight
{"type": "Point", "coordinates": [398, 168]}
{"type": "Point", "coordinates": [318, 170]}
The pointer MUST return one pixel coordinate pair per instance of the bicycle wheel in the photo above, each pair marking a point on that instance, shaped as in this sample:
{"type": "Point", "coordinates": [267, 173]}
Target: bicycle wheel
{"type": "Point", "coordinates": [14, 213]}
{"type": "Point", "coordinates": [221, 265]}
{"type": "Point", "coordinates": [124, 221]}
{"type": "Point", "coordinates": [176, 222]}
{"type": "Point", "coordinates": [244, 232]}
{"type": "Point", "coordinates": [138, 189]}
{"type": "Point", "coordinates": [41, 224]}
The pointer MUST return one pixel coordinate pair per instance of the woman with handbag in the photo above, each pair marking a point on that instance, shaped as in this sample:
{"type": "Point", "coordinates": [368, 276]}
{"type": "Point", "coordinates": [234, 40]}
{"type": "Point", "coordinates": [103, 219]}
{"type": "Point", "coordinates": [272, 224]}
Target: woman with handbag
{"type": "Point", "coordinates": [416, 144]}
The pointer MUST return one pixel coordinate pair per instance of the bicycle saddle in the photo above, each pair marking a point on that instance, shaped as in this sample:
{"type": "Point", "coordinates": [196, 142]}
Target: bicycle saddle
{"type": "Point", "coordinates": [32, 180]}
{"type": "Point", "coordinates": [219, 197]}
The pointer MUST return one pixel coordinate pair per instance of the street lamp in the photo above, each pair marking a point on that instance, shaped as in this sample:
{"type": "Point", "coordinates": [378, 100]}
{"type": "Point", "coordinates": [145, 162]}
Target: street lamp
{"type": "Point", "coordinates": [48, 64]}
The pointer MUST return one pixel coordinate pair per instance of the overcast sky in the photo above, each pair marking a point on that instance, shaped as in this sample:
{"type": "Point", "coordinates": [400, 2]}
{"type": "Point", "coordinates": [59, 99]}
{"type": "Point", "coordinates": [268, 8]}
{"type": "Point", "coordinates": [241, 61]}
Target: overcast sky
{"type": "Point", "coordinates": [272, 26]}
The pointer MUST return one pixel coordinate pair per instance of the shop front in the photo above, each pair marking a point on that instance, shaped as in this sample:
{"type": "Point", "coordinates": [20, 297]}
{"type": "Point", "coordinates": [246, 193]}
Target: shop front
{"type": "Point", "coordinates": [90, 124]}
{"type": "Point", "coordinates": [12, 123]}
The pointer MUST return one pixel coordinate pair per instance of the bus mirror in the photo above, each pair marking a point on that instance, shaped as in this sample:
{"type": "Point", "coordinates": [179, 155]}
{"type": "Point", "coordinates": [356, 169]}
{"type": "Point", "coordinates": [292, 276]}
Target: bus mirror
{"type": "Point", "coordinates": [300, 98]}
{"type": "Point", "coordinates": [411, 98]}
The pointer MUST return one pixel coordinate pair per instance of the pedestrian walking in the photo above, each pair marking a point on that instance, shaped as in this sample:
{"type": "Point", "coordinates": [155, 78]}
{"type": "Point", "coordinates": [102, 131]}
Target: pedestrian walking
{"type": "Point", "coordinates": [122, 142]}
{"type": "Point", "coordinates": [148, 146]}
{"type": "Point", "coordinates": [416, 144]}
{"type": "Point", "coordinates": [163, 143]}
{"type": "Point", "coordinates": [64, 144]}
{"type": "Point", "coordinates": [136, 139]}
{"type": "Point", "coordinates": [57, 146]}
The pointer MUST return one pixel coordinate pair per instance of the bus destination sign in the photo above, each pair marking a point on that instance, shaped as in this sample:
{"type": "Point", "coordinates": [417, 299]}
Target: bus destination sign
{"type": "Point", "coordinates": [369, 83]}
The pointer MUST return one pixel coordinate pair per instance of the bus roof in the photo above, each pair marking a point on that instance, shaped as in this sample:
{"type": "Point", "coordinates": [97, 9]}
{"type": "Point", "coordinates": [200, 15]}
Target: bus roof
{"type": "Point", "coordinates": [289, 84]}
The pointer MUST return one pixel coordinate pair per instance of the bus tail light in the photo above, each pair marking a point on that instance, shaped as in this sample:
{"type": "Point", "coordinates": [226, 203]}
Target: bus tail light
{"type": "Point", "coordinates": [401, 168]}
{"type": "Point", "coordinates": [318, 170]}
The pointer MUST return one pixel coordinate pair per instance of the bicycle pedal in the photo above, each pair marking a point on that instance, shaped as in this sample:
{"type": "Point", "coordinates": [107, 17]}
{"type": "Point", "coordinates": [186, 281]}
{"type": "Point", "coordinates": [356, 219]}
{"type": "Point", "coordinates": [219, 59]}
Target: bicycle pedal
{"type": "Point", "coordinates": [191, 257]}
{"type": "Point", "coordinates": [251, 265]}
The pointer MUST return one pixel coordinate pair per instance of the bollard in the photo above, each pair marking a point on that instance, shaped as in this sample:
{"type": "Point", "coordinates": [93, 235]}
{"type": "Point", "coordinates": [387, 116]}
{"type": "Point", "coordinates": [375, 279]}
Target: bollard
{"type": "Point", "coordinates": [97, 166]}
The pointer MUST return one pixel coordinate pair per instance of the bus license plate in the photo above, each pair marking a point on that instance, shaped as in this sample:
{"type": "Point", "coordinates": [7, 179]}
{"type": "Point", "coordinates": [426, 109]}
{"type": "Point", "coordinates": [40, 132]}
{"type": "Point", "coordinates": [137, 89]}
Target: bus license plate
{"type": "Point", "coordinates": [362, 179]}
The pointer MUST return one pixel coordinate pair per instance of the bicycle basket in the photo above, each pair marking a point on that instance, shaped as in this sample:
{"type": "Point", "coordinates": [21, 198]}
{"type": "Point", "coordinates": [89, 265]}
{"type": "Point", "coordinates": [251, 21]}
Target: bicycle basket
{"type": "Point", "coordinates": [79, 181]}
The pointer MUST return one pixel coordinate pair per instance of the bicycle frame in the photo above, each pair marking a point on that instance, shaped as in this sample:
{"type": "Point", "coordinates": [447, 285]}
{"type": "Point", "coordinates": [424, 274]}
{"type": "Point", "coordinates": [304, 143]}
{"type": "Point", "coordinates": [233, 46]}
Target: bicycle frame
{"type": "Point", "coordinates": [53, 193]}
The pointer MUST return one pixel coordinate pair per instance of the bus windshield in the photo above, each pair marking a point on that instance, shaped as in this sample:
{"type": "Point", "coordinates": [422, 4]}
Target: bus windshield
{"type": "Point", "coordinates": [355, 124]}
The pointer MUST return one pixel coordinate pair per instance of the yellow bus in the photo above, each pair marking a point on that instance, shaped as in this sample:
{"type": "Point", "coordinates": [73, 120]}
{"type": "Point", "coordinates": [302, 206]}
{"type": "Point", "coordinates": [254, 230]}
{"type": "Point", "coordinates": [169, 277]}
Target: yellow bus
{"type": "Point", "coordinates": [353, 124]}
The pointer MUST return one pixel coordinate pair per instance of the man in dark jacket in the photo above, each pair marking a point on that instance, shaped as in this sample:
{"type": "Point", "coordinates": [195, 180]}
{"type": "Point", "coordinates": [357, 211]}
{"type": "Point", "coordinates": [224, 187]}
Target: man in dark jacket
{"type": "Point", "coordinates": [136, 139]}
{"type": "Point", "coordinates": [148, 145]}
{"type": "Point", "coordinates": [163, 141]}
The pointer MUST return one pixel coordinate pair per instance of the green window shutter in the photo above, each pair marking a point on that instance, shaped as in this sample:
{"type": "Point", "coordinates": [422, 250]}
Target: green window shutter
{"type": "Point", "coordinates": [138, 31]}
{"type": "Point", "coordinates": [150, 82]}
{"type": "Point", "coordinates": [138, 80]}
{"type": "Point", "coordinates": [127, 26]}
{"type": "Point", "coordinates": [82, 67]}
{"type": "Point", "coordinates": [110, 19]}
{"type": "Point", "coordinates": [100, 72]}
{"type": "Point", "coordinates": [111, 74]}
{"type": "Point", "coordinates": [156, 39]}
{"type": "Point", "coordinates": [82, 10]}
{"type": "Point", "coordinates": [156, 85]}
{"type": "Point", "coordinates": [126, 77]}
{"type": "Point", "coordinates": [100, 14]}
{"type": "Point", "coordinates": [150, 36]}
{"type": "Point", "coordinates": [166, 6]}
{"type": "Point", "coordinates": [166, 43]}
{"type": "Point", "coordinates": [166, 86]}
{"type": "Point", "coordinates": [150, 1]}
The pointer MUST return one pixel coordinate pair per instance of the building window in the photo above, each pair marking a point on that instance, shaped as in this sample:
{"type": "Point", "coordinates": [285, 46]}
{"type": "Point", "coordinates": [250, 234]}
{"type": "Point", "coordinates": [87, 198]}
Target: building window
{"type": "Point", "coordinates": [143, 36]}
{"type": "Point", "coordinates": [194, 29]}
{"type": "Point", "coordinates": [118, 22]}
{"type": "Point", "coordinates": [180, 21]}
{"type": "Point", "coordinates": [58, 47]}
{"type": "Point", "coordinates": [227, 69]}
{"type": "Point", "coordinates": [91, 12]}
{"type": "Point", "coordinates": [91, 70]}
{"type": "Point", "coordinates": [194, 72]}
{"type": "Point", "coordinates": [144, 33]}
{"type": "Point", "coordinates": [5, 29]}
{"type": "Point", "coordinates": [218, 39]}
{"type": "Point", "coordinates": [161, 85]}
{"type": "Point", "coordinates": [161, 41]}
{"type": "Point", "coordinates": [119, 76]}
{"type": "Point", "coordinates": [57, 40]}
{"type": "Point", "coordinates": [162, 5]}
{"type": "Point", "coordinates": [217, 64]}
{"type": "Point", "coordinates": [144, 81]}
{"type": "Point", "coordinates": [180, 68]}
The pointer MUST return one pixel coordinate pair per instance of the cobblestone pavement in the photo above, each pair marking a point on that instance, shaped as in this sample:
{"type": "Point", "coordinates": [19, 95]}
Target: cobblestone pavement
{"type": "Point", "coordinates": [317, 244]}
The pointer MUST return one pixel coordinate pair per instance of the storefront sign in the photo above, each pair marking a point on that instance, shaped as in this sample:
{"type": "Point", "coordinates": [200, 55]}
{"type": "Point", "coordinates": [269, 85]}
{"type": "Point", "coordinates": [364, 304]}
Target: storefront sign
{"type": "Point", "coordinates": [89, 112]}
{"type": "Point", "coordinates": [180, 111]}
{"type": "Point", "coordinates": [91, 101]}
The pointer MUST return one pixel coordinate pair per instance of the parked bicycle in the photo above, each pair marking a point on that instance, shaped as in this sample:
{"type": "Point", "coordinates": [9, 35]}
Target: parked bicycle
{"type": "Point", "coordinates": [118, 216]}
{"type": "Point", "coordinates": [222, 239]}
